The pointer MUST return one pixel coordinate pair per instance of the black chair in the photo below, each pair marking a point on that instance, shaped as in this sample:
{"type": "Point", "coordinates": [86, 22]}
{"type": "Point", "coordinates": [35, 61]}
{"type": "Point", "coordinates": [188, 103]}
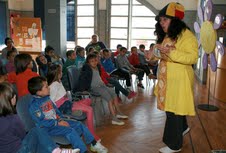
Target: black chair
{"type": "Point", "coordinates": [73, 74]}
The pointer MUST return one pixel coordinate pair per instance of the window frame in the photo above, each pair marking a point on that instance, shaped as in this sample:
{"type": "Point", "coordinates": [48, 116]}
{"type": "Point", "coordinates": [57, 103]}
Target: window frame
{"type": "Point", "coordinates": [130, 27]}
{"type": "Point", "coordinates": [76, 21]}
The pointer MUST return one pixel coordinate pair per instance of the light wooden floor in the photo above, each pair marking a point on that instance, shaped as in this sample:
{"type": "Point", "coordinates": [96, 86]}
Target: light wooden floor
{"type": "Point", "coordinates": [144, 128]}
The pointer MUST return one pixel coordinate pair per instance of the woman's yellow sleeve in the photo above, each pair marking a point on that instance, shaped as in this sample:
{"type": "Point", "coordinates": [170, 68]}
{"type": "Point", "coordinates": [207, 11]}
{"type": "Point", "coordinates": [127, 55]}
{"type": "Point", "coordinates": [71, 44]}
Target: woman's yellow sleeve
{"type": "Point", "coordinates": [187, 53]}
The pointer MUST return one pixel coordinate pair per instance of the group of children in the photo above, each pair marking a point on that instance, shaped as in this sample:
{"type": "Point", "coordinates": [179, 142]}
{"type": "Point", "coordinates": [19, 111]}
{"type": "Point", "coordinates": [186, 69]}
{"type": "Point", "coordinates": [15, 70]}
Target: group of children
{"type": "Point", "coordinates": [50, 101]}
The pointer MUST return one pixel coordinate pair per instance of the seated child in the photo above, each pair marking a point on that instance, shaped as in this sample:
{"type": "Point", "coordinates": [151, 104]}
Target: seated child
{"type": "Point", "coordinates": [80, 59]}
{"type": "Point", "coordinates": [71, 56]}
{"type": "Point", "coordinates": [90, 79]}
{"type": "Point", "coordinates": [48, 117]}
{"type": "Point", "coordinates": [59, 97]}
{"type": "Point", "coordinates": [13, 135]}
{"type": "Point", "coordinates": [10, 64]}
{"type": "Point", "coordinates": [90, 50]}
{"type": "Point", "coordinates": [108, 80]}
{"type": "Point", "coordinates": [3, 73]}
{"type": "Point", "coordinates": [153, 64]}
{"type": "Point", "coordinates": [135, 61]}
{"type": "Point", "coordinates": [23, 64]}
{"type": "Point", "coordinates": [110, 68]}
{"type": "Point", "coordinates": [123, 63]}
{"type": "Point", "coordinates": [51, 56]}
{"type": "Point", "coordinates": [116, 53]}
{"type": "Point", "coordinates": [42, 64]}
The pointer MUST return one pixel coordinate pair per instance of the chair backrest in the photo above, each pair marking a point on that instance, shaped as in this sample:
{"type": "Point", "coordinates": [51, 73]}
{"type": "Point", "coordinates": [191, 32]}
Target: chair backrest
{"type": "Point", "coordinates": [116, 63]}
{"type": "Point", "coordinates": [73, 77]}
{"type": "Point", "coordinates": [22, 108]}
{"type": "Point", "coordinates": [41, 72]}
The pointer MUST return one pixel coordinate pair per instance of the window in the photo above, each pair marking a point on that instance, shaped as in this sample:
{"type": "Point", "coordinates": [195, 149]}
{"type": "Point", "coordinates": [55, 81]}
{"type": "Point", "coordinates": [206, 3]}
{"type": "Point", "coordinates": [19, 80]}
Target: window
{"type": "Point", "coordinates": [70, 22]}
{"type": "Point", "coordinates": [84, 20]}
{"type": "Point", "coordinates": [131, 24]}
{"type": "Point", "coordinates": [3, 26]}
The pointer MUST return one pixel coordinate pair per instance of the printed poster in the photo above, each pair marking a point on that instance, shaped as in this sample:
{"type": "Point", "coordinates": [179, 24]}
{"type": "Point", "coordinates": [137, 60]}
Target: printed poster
{"type": "Point", "coordinates": [27, 34]}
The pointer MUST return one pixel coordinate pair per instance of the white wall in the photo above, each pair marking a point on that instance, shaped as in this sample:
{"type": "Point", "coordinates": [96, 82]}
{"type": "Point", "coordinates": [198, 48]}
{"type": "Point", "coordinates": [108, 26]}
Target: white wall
{"type": "Point", "coordinates": [219, 1]}
{"type": "Point", "coordinates": [21, 5]}
{"type": "Point", "coordinates": [188, 4]}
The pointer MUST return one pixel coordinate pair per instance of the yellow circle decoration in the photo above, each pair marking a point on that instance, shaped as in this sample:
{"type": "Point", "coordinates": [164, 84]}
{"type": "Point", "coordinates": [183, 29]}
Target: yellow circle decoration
{"type": "Point", "coordinates": [208, 37]}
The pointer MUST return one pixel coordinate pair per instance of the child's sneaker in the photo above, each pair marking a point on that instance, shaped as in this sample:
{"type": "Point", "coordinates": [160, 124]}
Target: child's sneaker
{"type": "Point", "coordinates": [99, 148]}
{"type": "Point", "coordinates": [131, 94]}
{"type": "Point", "coordinates": [122, 116]}
{"type": "Point", "coordinates": [186, 131]}
{"type": "Point", "coordinates": [116, 121]}
{"type": "Point", "coordinates": [168, 150]}
{"type": "Point", "coordinates": [69, 150]}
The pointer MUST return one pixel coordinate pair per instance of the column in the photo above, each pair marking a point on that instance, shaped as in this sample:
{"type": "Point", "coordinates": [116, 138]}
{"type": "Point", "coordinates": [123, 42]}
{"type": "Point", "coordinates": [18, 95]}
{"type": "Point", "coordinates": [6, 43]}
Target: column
{"type": "Point", "coordinates": [56, 25]}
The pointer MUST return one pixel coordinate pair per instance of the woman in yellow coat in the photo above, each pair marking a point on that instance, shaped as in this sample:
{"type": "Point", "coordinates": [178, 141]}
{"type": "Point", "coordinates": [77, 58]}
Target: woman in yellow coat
{"type": "Point", "coordinates": [177, 49]}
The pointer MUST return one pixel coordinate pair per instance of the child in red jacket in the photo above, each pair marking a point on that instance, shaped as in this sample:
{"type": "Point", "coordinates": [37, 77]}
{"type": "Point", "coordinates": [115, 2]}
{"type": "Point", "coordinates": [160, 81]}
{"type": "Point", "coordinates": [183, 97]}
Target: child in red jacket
{"type": "Point", "coordinates": [23, 64]}
{"type": "Point", "coordinates": [134, 60]}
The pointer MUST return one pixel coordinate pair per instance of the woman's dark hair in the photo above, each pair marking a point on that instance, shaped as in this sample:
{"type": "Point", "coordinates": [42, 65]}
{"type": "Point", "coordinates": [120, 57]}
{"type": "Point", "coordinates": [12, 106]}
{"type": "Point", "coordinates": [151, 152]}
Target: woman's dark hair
{"type": "Point", "coordinates": [7, 92]}
{"type": "Point", "coordinates": [21, 62]}
{"type": "Point", "coordinates": [53, 73]}
{"type": "Point", "coordinates": [7, 39]}
{"type": "Point", "coordinates": [174, 30]}
{"type": "Point", "coordinates": [90, 56]}
{"type": "Point", "coordinates": [35, 84]}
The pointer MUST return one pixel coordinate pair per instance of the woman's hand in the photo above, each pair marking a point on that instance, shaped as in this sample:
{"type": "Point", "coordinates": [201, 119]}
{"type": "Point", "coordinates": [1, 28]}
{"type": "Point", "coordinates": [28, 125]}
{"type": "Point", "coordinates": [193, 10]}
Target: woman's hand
{"type": "Point", "coordinates": [165, 49]}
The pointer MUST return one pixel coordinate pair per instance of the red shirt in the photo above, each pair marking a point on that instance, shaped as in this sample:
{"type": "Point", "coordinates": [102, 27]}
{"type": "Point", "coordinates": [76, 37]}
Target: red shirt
{"type": "Point", "coordinates": [104, 75]}
{"type": "Point", "coordinates": [116, 53]}
{"type": "Point", "coordinates": [21, 80]}
{"type": "Point", "coordinates": [134, 59]}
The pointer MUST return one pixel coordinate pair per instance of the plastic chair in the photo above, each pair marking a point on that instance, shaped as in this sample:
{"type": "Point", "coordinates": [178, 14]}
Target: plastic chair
{"type": "Point", "coordinates": [73, 80]}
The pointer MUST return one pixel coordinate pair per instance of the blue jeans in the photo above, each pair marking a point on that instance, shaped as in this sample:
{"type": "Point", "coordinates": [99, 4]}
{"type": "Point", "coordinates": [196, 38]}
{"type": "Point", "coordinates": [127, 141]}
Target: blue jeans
{"type": "Point", "coordinates": [73, 134]}
{"type": "Point", "coordinates": [37, 140]}
{"type": "Point", "coordinates": [66, 107]}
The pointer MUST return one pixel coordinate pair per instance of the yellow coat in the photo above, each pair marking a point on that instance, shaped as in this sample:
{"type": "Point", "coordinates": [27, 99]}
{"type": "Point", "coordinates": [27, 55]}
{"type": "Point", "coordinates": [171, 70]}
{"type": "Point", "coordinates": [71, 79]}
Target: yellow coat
{"type": "Point", "coordinates": [179, 97]}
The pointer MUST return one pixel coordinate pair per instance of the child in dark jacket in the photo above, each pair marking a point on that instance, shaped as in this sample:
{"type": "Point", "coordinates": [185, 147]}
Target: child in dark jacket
{"type": "Point", "coordinates": [48, 117]}
{"type": "Point", "coordinates": [90, 79]}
